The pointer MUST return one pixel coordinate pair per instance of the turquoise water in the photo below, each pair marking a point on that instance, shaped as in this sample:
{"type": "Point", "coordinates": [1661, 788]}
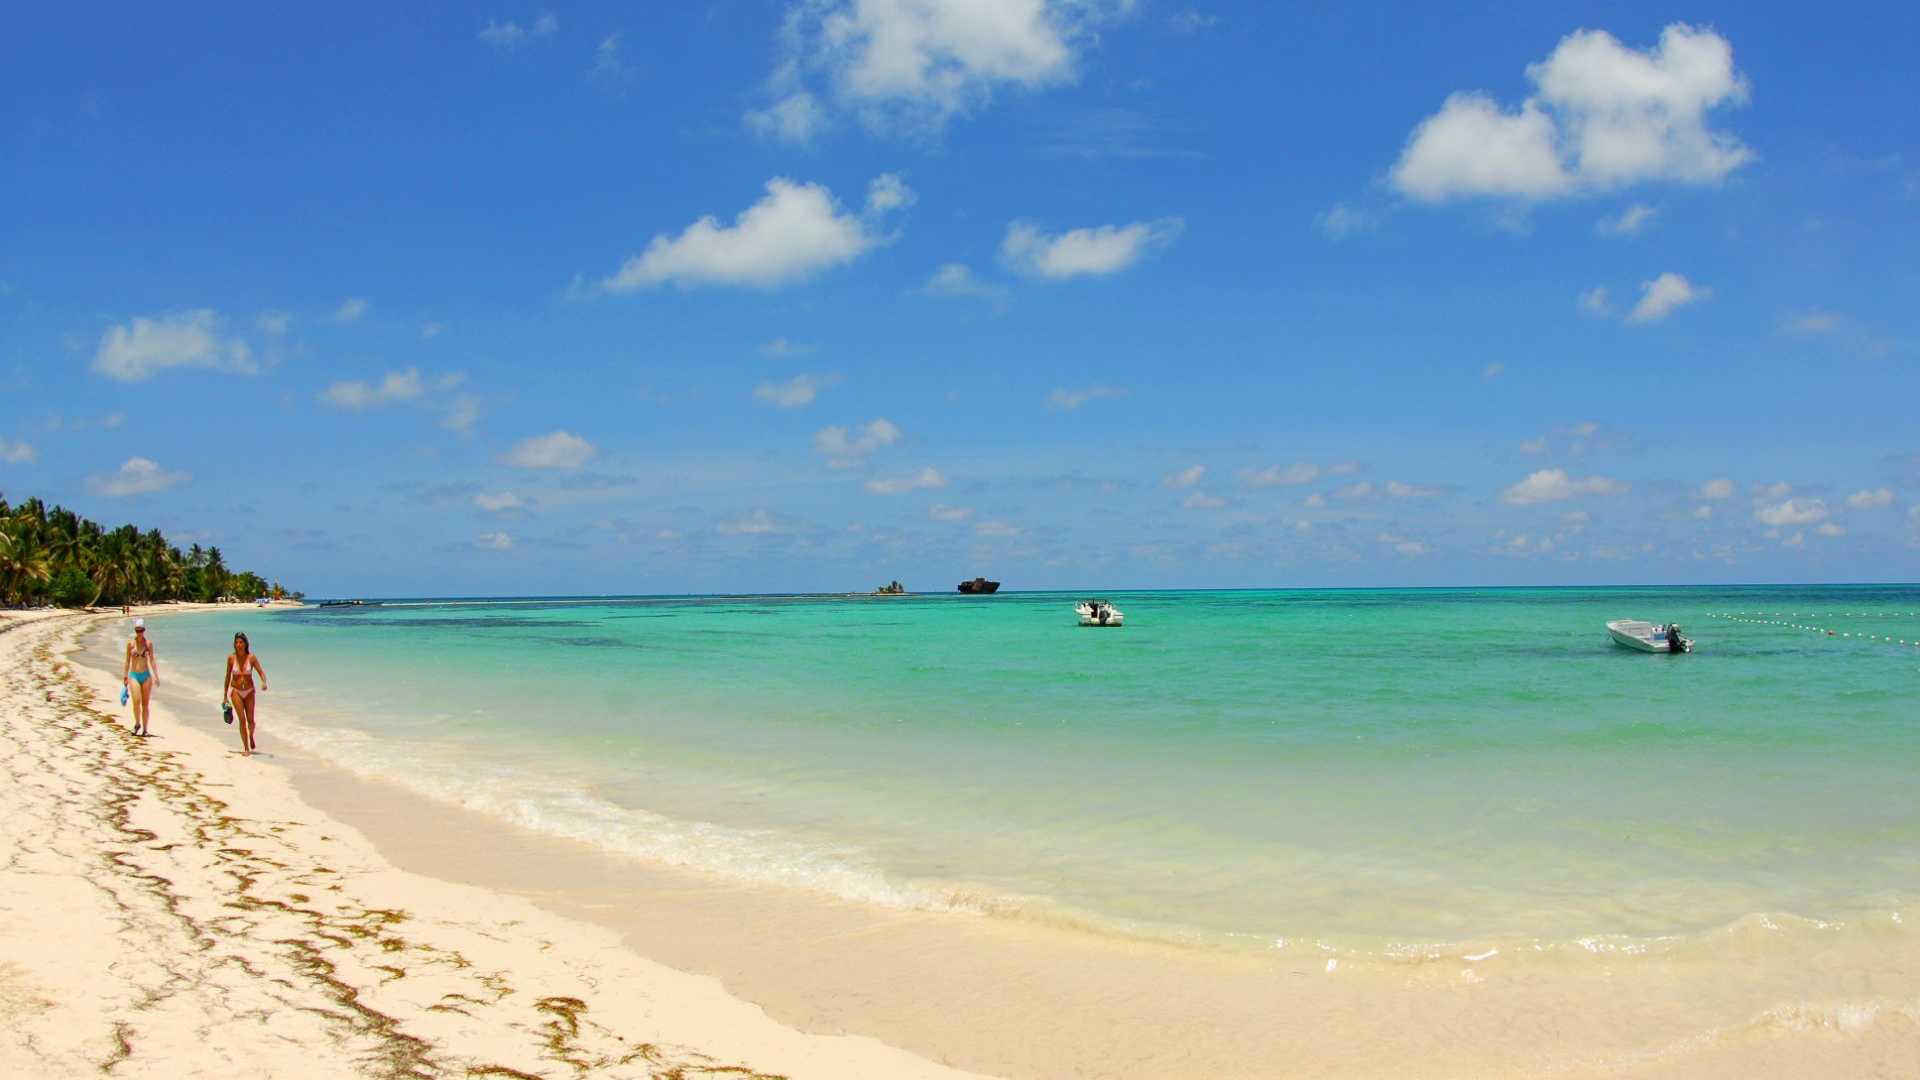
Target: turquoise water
{"type": "Point", "coordinates": [1373, 771]}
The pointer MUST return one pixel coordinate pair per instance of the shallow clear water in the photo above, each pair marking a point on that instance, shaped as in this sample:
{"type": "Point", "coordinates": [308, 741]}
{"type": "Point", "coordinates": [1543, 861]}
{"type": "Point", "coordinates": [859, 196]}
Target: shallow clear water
{"type": "Point", "coordinates": [1363, 770]}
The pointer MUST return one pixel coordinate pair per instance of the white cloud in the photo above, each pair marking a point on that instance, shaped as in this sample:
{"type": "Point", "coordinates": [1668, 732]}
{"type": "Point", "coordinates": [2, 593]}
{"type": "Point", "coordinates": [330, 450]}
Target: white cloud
{"type": "Point", "coordinates": [1493, 370]}
{"type": "Point", "coordinates": [794, 232]}
{"type": "Point", "coordinates": [1095, 252]}
{"type": "Point", "coordinates": [493, 541]}
{"type": "Point", "coordinates": [1191, 21]}
{"type": "Point", "coordinates": [1405, 545]}
{"type": "Point", "coordinates": [1315, 500]}
{"type": "Point", "coordinates": [1398, 490]}
{"type": "Point", "coordinates": [1200, 500]}
{"type": "Point", "coordinates": [954, 279]}
{"type": "Point", "coordinates": [1281, 476]}
{"type": "Point", "coordinates": [1627, 223]}
{"type": "Point", "coordinates": [795, 392]}
{"type": "Point", "coordinates": [187, 339]}
{"type": "Point", "coordinates": [610, 70]}
{"type": "Point", "coordinates": [17, 453]}
{"type": "Point", "coordinates": [928, 478]}
{"type": "Point", "coordinates": [350, 310]}
{"type": "Point", "coordinates": [758, 523]}
{"type": "Point", "coordinates": [781, 348]}
{"type": "Point", "coordinates": [354, 394]}
{"type": "Point", "coordinates": [1534, 447]}
{"type": "Point", "coordinates": [942, 512]}
{"type": "Point", "coordinates": [1661, 296]}
{"type": "Point", "coordinates": [1779, 489]}
{"type": "Point", "coordinates": [1718, 488]}
{"type": "Point", "coordinates": [496, 503]}
{"type": "Point", "coordinates": [1062, 398]}
{"type": "Point", "coordinates": [995, 529]}
{"type": "Point", "coordinates": [273, 323]}
{"type": "Point", "coordinates": [1870, 499]}
{"type": "Point", "coordinates": [1602, 117]}
{"type": "Point", "coordinates": [1184, 478]}
{"type": "Point", "coordinates": [1595, 302]}
{"type": "Point", "coordinates": [1554, 485]}
{"type": "Point", "coordinates": [462, 412]}
{"type": "Point", "coordinates": [511, 35]}
{"type": "Point", "coordinates": [1703, 513]}
{"type": "Point", "coordinates": [887, 193]}
{"type": "Point", "coordinates": [137, 476]}
{"type": "Point", "coordinates": [796, 118]}
{"type": "Point", "coordinates": [1814, 323]}
{"type": "Point", "coordinates": [843, 449]}
{"type": "Point", "coordinates": [1355, 492]}
{"type": "Point", "coordinates": [555, 450]}
{"type": "Point", "coordinates": [431, 329]}
{"type": "Point", "coordinates": [1790, 512]}
{"type": "Point", "coordinates": [911, 65]}
{"type": "Point", "coordinates": [1828, 528]}
{"type": "Point", "coordinates": [1342, 220]}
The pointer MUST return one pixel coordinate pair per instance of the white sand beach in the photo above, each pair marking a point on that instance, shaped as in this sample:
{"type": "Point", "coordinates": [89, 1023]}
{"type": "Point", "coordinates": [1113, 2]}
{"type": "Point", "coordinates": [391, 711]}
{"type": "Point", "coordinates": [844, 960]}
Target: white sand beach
{"type": "Point", "coordinates": [169, 908]}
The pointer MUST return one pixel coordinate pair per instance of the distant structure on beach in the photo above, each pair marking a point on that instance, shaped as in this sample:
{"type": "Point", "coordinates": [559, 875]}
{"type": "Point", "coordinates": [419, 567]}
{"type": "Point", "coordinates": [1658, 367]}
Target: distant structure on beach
{"type": "Point", "coordinates": [979, 585]}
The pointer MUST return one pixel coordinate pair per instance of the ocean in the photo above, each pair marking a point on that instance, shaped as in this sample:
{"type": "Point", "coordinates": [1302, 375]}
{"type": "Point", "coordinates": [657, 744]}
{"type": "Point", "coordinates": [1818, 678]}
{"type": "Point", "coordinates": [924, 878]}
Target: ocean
{"type": "Point", "coordinates": [1355, 773]}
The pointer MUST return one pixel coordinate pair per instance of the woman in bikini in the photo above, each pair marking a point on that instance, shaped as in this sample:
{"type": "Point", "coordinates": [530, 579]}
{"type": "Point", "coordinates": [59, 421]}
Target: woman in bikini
{"type": "Point", "coordinates": [140, 675]}
{"type": "Point", "coordinates": [241, 666]}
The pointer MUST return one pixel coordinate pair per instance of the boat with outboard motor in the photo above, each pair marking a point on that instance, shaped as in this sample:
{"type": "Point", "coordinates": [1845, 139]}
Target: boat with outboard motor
{"type": "Point", "coordinates": [1649, 637]}
{"type": "Point", "coordinates": [1098, 613]}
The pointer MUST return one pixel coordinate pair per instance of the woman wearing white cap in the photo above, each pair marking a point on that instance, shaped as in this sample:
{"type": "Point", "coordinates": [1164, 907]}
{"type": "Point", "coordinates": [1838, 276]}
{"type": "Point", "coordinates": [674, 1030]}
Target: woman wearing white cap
{"type": "Point", "coordinates": [142, 670]}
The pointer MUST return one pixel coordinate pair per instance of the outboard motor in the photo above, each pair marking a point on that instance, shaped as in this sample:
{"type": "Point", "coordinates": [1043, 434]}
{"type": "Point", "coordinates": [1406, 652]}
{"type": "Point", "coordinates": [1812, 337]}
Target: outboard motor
{"type": "Point", "coordinates": [1675, 643]}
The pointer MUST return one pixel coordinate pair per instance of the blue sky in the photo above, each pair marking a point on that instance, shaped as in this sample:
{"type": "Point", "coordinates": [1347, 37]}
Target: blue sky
{"type": "Point", "coordinates": [527, 298]}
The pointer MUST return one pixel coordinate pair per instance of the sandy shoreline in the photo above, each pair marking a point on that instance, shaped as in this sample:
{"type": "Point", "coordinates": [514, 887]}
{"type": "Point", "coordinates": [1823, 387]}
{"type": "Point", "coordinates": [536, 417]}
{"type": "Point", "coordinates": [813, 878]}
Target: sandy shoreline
{"type": "Point", "coordinates": [168, 908]}
{"type": "Point", "coordinates": [993, 996]}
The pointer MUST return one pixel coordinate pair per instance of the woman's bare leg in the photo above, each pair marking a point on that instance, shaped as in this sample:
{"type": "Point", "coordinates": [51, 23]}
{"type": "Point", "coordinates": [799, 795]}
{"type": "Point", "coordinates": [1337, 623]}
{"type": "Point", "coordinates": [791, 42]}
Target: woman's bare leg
{"type": "Point", "coordinates": [144, 714]}
{"type": "Point", "coordinates": [247, 724]}
{"type": "Point", "coordinates": [239, 706]}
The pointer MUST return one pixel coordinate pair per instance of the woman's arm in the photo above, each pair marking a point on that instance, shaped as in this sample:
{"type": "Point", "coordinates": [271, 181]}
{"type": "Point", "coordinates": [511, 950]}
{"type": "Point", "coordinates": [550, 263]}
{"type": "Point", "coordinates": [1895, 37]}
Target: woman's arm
{"type": "Point", "coordinates": [153, 664]}
{"type": "Point", "coordinates": [126, 666]}
{"type": "Point", "coordinates": [261, 670]}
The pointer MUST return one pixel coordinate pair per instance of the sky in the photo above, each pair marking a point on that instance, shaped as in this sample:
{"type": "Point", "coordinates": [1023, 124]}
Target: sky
{"type": "Point", "coordinates": [523, 298]}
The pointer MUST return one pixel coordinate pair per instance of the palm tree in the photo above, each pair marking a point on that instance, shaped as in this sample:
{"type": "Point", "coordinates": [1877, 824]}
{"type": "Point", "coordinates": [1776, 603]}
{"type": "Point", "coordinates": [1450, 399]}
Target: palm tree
{"type": "Point", "coordinates": [24, 567]}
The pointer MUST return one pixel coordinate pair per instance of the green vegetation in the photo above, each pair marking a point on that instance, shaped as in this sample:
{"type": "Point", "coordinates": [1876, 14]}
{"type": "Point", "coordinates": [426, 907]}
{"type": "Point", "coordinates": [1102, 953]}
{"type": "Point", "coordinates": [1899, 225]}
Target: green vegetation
{"type": "Point", "coordinates": [891, 588]}
{"type": "Point", "coordinates": [56, 556]}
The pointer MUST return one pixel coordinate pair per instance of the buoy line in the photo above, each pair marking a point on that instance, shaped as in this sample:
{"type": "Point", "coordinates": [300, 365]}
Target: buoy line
{"type": "Point", "coordinates": [1757, 619]}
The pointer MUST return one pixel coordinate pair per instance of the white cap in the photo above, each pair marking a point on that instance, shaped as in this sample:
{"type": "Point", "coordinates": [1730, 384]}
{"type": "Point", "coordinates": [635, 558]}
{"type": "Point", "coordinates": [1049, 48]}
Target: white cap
{"type": "Point", "coordinates": [139, 624]}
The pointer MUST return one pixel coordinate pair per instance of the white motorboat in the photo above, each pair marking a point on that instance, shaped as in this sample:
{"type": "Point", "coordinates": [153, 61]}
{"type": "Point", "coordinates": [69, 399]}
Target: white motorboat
{"type": "Point", "coordinates": [1098, 613]}
{"type": "Point", "coordinates": [1648, 637]}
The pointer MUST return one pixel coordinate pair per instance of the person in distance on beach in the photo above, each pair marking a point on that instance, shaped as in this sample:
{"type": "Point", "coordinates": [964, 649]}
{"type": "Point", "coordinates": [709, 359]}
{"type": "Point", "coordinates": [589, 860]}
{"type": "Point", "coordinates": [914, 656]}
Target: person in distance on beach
{"type": "Point", "coordinates": [140, 675]}
{"type": "Point", "coordinates": [241, 666]}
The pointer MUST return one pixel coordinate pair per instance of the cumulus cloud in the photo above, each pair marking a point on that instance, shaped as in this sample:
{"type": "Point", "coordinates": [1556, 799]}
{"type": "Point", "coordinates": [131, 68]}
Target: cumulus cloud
{"type": "Point", "coordinates": [273, 323]}
{"type": "Point", "coordinates": [1184, 478]}
{"type": "Point", "coordinates": [1493, 370]}
{"type": "Point", "coordinates": [927, 479]}
{"type": "Point", "coordinates": [1871, 499]}
{"type": "Point", "coordinates": [493, 541]}
{"type": "Point", "coordinates": [1554, 485]}
{"type": "Point", "coordinates": [137, 476]}
{"type": "Point", "coordinates": [911, 65]}
{"type": "Point", "coordinates": [354, 394]}
{"type": "Point", "coordinates": [795, 392]}
{"type": "Point", "coordinates": [1094, 252]}
{"type": "Point", "coordinates": [187, 339]}
{"type": "Point", "coordinates": [995, 530]}
{"type": "Point", "coordinates": [1814, 323]}
{"type": "Point", "coordinates": [1398, 490]}
{"type": "Point", "coordinates": [794, 232]}
{"type": "Point", "coordinates": [1281, 475]}
{"type": "Point", "coordinates": [955, 279]}
{"type": "Point", "coordinates": [1602, 116]}
{"type": "Point", "coordinates": [511, 35]}
{"type": "Point", "coordinates": [1341, 219]}
{"type": "Point", "coordinates": [781, 348]}
{"type": "Point", "coordinates": [17, 453]}
{"type": "Point", "coordinates": [1063, 398]}
{"type": "Point", "coordinates": [1405, 545]}
{"type": "Point", "coordinates": [1718, 488]}
{"type": "Point", "coordinates": [758, 523]}
{"type": "Point", "coordinates": [1627, 222]}
{"type": "Point", "coordinates": [498, 502]}
{"type": "Point", "coordinates": [943, 512]}
{"type": "Point", "coordinates": [796, 118]}
{"type": "Point", "coordinates": [350, 310]}
{"type": "Point", "coordinates": [843, 448]}
{"type": "Point", "coordinates": [610, 70]}
{"type": "Point", "coordinates": [1828, 528]}
{"type": "Point", "coordinates": [1201, 500]}
{"type": "Point", "coordinates": [555, 450]}
{"type": "Point", "coordinates": [1663, 295]}
{"type": "Point", "coordinates": [1790, 512]}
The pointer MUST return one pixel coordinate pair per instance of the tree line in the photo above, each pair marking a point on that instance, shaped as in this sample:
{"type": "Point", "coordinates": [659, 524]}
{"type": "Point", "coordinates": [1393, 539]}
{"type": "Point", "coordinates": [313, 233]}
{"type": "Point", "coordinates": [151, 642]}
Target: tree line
{"type": "Point", "coordinates": [56, 556]}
